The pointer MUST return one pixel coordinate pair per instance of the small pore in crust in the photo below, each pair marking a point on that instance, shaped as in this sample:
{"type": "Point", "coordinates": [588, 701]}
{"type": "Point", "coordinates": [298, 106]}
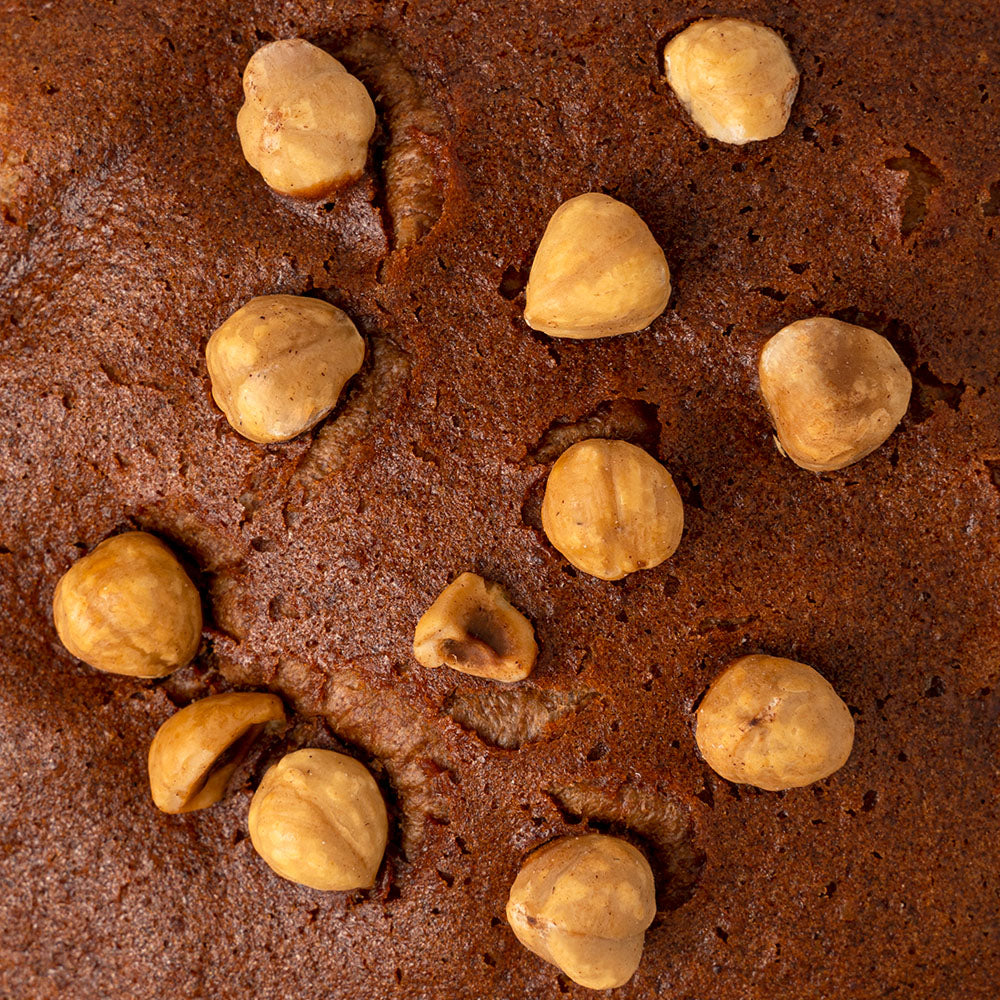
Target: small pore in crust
{"type": "Point", "coordinates": [631, 420]}
{"type": "Point", "coordinates": [991, 206]}
{"type": "Point", "coordinates": [922, 178]}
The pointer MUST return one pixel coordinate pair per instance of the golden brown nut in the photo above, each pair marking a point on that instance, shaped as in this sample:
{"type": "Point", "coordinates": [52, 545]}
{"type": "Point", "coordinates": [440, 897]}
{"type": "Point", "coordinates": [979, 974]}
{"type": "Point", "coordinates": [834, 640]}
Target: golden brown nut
{"type": "Point", "coordinates": [195, 752]}
{"type": "Point", "coordinates": [306, 122]}
{"type": "Point", "coordinates": [129, 608]}
{"type": "Point", "coordinates": [773, 723]}
{"type": "Point", "coordinates": [736, 79]}
{"type": "Point", "coordinates": [319, 819]}
{"type": "Point", "coordinates": [611, 509]}
{"type": "Point", "coordinates": [472, 627]}
{"type": "Point", "coordinates": [598, 272]}
{"type": "Point", "coordinates": [279, 363]}
{"type": "Point", "coordinates": [835, 391]}
{"type": "Point", "coordinates": [583, 904]}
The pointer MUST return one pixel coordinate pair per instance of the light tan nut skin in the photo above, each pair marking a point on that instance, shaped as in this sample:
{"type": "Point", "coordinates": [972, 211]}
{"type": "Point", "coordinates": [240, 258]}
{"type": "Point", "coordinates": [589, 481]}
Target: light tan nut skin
{"type": "Point", "coordinates": [279, 364]}
{"type": "Point", "coordinates": [834, 391]}
{"type": "Point", "coordinates": [736, 79]}
{"type": "Point", "coordinates": [583, 904]}
{"type": "Point", "coordinates": [306, 122]}
{"type": "Point", "coordinates": [598, 272]}
{"type": "Point", "coordinates": [773, 723]}
{"type": "Point", "coordinates": [473, 628]}
{"type": "Point", "coordinates": [195, 752]}
{"type": "Point", "coordinates": [318, 818]}
{"type": "Point", "coordinates": [611, 509]}
{"type": "Point", "coordinates": [129, 608]}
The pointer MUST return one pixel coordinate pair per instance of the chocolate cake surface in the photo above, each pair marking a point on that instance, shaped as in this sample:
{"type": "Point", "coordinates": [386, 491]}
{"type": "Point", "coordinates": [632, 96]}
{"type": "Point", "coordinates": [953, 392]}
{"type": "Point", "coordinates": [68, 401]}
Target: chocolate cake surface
{"type": "Point", "coordinates": [131, 227]}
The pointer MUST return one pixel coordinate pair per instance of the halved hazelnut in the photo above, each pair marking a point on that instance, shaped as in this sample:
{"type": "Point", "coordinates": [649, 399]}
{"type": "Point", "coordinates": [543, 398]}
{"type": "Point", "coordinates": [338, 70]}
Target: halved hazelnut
{"type": "Point", "coordinates": [195, 752]}
{"type": "Point", "coordinates": [473, 628]}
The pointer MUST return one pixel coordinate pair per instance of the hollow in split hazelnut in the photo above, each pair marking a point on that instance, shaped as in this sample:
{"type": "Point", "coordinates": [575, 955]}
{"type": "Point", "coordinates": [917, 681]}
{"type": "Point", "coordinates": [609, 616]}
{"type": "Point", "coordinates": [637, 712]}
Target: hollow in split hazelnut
{"type": "Point", "coordinates": [472, 627]}
{"type": "Point", "coordinates": [306, 122]}
{"type": "Point", "coordinates": [128, 607]}
{"type": "Point", "coordinates": [583, 904]}
{"type": "Point", "coordinates": [319, 819]}
{"type": "Point", "coordinates": [611, 509]}
{"type": "Point", "coordinates": [736, 79]}
{"type": "Point", "coordinates": [196, 751]}
{"type": "Point", "coordinates": [598, 272]}
{"type": "Point", "coordinates": [834, 391]}
{"type": "Point", "coordinates": [773, 723]}
{"type": "Point", "coordinates": [279, 364]}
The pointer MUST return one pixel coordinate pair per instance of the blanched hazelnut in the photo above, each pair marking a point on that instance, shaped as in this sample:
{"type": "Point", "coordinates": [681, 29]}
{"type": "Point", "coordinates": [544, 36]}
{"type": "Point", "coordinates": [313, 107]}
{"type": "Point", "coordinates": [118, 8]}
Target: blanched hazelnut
{"type": "Point", "coordinates": [129, 608]}
{"type": "Point", "coordinates": [279, 363]}
{"type": "Point", "coordinates": [835, 391]}
{"type": "Point", "coordinates": [773, 723]}
{"type": "Point", "coordinates": [611, 509]}
{"type": "Point", "coordinates": [195, 752]}
{"type": "Point", "coordinates": [598, 272]}
{"type": "Point", "coordinates": [306, 122]}
{"type": "Point", "coordinates": [583, 904]}
{"type": "Point", "coordinates": [736, 79]}
{"type": "Point", "coordinates": [472, 627]}
{"type": "Point", "coordinates": [319, 819]}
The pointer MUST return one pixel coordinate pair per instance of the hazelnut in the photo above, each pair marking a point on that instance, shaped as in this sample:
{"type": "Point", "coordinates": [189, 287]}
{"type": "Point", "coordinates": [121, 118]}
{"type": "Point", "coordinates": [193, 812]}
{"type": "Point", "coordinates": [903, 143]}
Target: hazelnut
{"type": "Point", "coordinates": [736, 79]}
{"type": "Point", "coordinates": [318, 818]}
{"type": "Point", "coordinates": [129, 608]}
{"type": "Point", "coordinates": [598, 272]}
{"type": "Point", "coordinates": [279, 363]}
{"type": "Point", "coordinates": [773, 723]}
{"type": "Point", "coordinates": [195, 752]}
{"type": "Point", "coordinates": [835, 391]}
{"type": "Point", "coordinates": [306, 122]}
{"type": "Point", "coordinates": [472, 627]}
{"type": "Point", "coordinates": [611, 509]}
{"type": "Point", "coordinates": [583, 904]}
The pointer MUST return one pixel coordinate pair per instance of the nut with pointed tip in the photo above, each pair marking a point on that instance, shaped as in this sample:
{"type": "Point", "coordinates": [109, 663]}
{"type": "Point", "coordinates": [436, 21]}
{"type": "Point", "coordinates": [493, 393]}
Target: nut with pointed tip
{"type": "Point", "coordinates": [598, 272]}
{"type": "Point", "coordinates": [583, 904]}
{"type": "Point", "coordinates": [473, 628]}
{"type": "Point", "coordinates": [736, 79]}
{"type": "Point", "coordinates": [611, 509]}
{"type": "Point", "coordinates": [196, 751]}
{"type": "Point", "coordinates": [834, 391]}
{"type": "Point", "coordinates": [319, 819]}
{"type": "Point", "coordinates": [279, 364]}
{"type": "Point", "coordinates": [128, 607]}
{"type": "Point", "coordinates": [306, 122]}
{"type": "Point", "coordinates": [773, 723]}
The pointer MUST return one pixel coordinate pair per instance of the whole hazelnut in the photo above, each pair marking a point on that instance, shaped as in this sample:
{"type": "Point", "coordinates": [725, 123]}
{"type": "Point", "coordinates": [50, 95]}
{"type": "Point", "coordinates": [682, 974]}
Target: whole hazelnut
{"type": "Point", "coordinates": [195, 752]}
{"type": "Point", "coordinates": [598, 272]}
{"type": "Point", "coordinates": [736, 79]}
{"type": "Point", "coordinates": [306, 122]}
{"type": "Point", "coordinates": [583, 904]}
{"type": "Point", "coordinates": [279, 363]}
{"type": "Point", "coordinates": [129, 608]}
{"type": "Point", "coordinates": [834, 391]}
{"type": "Point", "coordinates": [319, 819]}
{"type": "Point", "coordinates": [611, 509]}
{"type": "Point", "coordinates": [773, 723]}
{"type": "Point", "coordinates": [473, 628]}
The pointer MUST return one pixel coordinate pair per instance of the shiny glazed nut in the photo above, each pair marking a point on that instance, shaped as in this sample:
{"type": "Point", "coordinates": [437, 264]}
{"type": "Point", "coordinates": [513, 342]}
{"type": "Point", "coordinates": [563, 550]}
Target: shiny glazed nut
{"type": "Point", "coordinates": [472, 627]}
{"type": "Point", "coordinates": [736, 79]}
{"type": "Point", "coordinates": [611, 509]}
{"type": "Point", "coordinates": [598, 272]}
{"type": "Point", "coordinates": [129, 608]}
{"type": "Point", "coordinates": [835, 391]}
{"type": "Point", "coordinates": [583, 904]}
{"type": "Point", "coordinates": [279, 363]}
{"type": "Point", "coordinates": [319, 819]}
{"type": "Point", "coordinates": [773, 723]}
{"type": "Point", "coordinates": [306, 122]}
{"type": "Point", "coordinates": [195, 752]}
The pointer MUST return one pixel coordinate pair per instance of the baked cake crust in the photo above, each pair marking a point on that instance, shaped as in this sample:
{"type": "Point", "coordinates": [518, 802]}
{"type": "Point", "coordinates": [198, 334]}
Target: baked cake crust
{"type": "Point", "coordinates": [132, 227]}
